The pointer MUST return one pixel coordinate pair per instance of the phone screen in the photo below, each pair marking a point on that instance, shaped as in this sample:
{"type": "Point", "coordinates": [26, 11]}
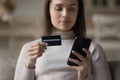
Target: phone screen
{"type": "Point", "coordinates": [78, 46]}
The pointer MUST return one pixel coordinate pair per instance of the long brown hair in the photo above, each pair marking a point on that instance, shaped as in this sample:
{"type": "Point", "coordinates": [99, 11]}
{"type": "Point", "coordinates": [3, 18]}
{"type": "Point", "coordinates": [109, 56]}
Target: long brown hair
{"type": "Point", "coordinates": [79, 27]}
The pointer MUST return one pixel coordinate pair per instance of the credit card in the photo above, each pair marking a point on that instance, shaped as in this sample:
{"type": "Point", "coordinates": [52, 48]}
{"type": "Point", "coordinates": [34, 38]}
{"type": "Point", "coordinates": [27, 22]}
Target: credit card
{"type": "Point", "coordinates": [52, 40]}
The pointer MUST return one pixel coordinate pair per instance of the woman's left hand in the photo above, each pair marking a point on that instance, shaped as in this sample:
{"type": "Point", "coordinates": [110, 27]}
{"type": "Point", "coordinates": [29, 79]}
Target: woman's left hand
{"type": "Point", "coordinates": [84, 66]}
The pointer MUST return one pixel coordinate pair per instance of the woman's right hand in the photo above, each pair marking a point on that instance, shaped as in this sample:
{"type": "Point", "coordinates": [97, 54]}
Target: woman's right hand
{"type": "Point", "coordinates": [35, 50]}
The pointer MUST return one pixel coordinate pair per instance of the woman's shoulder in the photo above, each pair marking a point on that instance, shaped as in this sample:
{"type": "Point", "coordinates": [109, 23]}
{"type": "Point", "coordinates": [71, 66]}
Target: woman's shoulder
{"type": "Point", "coordinates": [95, 44]}
{"type": "Point", "coordinates": [96, 50]}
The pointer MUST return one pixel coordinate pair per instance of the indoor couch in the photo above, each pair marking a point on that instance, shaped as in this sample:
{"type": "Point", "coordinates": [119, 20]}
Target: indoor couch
{"type": "Point", "coordinates": [115, 69]}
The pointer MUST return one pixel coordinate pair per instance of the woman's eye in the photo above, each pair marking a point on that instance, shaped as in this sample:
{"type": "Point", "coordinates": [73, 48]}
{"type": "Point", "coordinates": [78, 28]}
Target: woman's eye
{"type": "Point", "coordinates": [72, 9]}
{"type": "Point", "coordinates": [58, 8]}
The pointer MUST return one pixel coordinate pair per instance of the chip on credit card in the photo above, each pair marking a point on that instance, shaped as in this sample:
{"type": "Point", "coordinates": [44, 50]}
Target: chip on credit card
{"type": "Point", "coordinates": [52, 40]}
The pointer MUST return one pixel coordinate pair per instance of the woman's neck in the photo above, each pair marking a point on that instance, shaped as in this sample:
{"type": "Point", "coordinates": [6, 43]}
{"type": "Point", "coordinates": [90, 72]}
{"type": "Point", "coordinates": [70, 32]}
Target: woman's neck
{"type": "Point", "coordinates": [64, 34]}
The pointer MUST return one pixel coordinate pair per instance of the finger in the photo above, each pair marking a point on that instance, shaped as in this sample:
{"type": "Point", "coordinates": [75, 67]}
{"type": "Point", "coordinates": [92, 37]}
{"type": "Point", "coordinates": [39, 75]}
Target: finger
{"type": "Point", "coordinates": [88, 55]}
{"type": "Point", "coordinates": [41, 48]}
{"type": "Point", "coordinates": [72, 67]}
{"type": "Point", "coordinates": [34, 44]}
{"type": "Point", "coordinates": [75, 61]}
{"type": "Point", "coordinates": [46, 44]}
{"type": "Point", "coordinates": [40, 54]}
{"type": "Point", "coordinates": [33, 48]}
{"type": "Point", "coordinates": [34, 57]}
{"type": "Point", "coordinates": [43, 44]}
{"type": "Point", "coordinates": [33, 52]}
{"type": "Point", "coordinates": [82, 58]}
{"type": "Point", "coordinates": [38, 44]}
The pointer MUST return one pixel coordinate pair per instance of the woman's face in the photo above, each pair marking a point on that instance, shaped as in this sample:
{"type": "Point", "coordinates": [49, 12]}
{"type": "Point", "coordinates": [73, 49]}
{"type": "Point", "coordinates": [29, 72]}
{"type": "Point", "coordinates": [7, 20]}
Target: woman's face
{"type": "Point", "coordinates": [63, 14]}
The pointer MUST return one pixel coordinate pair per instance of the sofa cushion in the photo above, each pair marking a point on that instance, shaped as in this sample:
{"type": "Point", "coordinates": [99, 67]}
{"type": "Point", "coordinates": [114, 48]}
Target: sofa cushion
{"type": "Point", "coordinates": [115, 69]}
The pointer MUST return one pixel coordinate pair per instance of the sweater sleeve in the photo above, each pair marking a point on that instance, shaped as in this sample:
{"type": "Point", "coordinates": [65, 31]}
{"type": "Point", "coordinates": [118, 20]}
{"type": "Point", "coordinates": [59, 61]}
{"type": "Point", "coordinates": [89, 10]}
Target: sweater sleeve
{"type": "Point", "coordinates": [21, 72]}
{"type": "Point", "coordinates": [99, 67]}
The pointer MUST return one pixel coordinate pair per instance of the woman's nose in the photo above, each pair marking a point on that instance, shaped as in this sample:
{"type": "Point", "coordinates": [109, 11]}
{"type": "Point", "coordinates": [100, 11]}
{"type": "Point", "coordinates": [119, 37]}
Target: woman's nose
{"type": "Point", "coordinates": [65, 13]}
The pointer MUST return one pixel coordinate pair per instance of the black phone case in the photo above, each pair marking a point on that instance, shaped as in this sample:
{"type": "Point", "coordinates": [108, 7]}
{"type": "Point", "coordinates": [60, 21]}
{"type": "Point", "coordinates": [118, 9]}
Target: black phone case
{"type": "Point", "coordinates": [78, 46]}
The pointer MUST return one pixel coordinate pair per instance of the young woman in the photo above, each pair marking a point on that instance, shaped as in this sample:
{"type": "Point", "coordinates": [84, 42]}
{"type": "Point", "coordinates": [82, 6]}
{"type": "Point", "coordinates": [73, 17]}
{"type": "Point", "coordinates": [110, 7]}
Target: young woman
{"type": "Point", "coordinates": [37, 61]}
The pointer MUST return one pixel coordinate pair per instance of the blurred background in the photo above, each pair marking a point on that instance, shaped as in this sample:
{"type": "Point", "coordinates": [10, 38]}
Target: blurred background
{"type": "Point", "coordinates": [21, 21]}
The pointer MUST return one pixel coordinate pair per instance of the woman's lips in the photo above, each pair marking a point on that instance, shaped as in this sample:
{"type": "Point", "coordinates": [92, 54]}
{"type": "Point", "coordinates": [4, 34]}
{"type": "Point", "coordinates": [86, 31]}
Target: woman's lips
{"type": "Point", "coordinates": [65, 21]}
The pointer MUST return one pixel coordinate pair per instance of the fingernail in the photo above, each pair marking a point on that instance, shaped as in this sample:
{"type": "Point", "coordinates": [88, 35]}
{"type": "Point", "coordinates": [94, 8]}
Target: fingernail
{"type": "Point", "coordinates": [44, 43]}
{"type": "Point", "coordinates": [83, 49]}
{"type": "Point", "coordinates": [73, 51]}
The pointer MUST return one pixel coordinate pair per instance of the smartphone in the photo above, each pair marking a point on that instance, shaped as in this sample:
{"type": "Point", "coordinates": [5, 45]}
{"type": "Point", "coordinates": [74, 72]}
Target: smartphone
{"type": "Point", "coordinates": [78, 46]}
